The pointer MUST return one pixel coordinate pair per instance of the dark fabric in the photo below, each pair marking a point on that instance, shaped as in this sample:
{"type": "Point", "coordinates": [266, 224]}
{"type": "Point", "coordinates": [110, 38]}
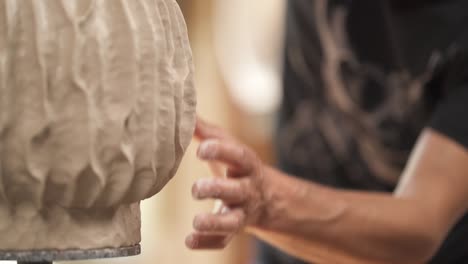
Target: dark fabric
{"type": "Point", "coordinates": [450, 115]}
{"type": "Point", "coordinates": [362, 79]}
{"type": "Point", "coordinates": [444, 121]}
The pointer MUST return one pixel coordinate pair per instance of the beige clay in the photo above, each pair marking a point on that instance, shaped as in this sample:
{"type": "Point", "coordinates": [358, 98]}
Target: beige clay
{"type": "Point", "coordinates": [97, 107]}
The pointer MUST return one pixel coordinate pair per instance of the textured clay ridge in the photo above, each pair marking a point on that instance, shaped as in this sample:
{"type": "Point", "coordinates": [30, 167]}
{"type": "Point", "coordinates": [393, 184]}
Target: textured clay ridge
{"type": "Point", "coordinates": [97, 106]}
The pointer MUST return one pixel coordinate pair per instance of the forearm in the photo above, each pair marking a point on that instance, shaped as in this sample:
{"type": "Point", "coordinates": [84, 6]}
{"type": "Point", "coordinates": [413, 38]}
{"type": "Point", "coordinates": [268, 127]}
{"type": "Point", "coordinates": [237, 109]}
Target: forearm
{"type": "Point", "coordinates": [342, 225]}
{"type": "Point", "coordinates": [324, 225]}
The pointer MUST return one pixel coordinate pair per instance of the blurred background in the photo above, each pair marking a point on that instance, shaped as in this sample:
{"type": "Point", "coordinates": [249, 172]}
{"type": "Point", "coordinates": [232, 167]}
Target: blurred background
{"type": "Point", "coordinates": [237, 51]}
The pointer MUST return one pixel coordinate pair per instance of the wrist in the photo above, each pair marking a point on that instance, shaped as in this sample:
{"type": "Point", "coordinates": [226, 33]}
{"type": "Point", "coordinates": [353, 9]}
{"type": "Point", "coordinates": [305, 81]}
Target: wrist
{"type": "Point", "coordinates": [291, 203]}
{"type": "Point", "coordinates": [277, 190]}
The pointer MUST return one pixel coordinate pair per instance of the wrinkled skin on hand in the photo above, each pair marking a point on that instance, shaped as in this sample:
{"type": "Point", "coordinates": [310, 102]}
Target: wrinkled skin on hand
{"type": "Point", "coordinates": [240, 189]}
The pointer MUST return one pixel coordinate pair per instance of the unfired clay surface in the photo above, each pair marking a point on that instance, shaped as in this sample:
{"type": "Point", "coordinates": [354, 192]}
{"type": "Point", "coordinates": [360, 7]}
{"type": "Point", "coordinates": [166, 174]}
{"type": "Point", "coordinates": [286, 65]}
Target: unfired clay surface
{"type": "Point", "coordinates": [97, 107]}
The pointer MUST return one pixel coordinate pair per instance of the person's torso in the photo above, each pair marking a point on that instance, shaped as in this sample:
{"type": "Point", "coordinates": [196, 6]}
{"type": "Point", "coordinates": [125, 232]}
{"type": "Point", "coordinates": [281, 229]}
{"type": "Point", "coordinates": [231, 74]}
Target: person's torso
{"type": "Point", "coordinates": [361, 79]}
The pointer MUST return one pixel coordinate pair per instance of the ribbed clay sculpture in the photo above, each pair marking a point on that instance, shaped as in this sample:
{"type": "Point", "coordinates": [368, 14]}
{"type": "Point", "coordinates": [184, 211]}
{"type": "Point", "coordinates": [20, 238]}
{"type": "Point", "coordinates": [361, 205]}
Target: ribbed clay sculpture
{"type": "Point", "coordinates": [97, 106]}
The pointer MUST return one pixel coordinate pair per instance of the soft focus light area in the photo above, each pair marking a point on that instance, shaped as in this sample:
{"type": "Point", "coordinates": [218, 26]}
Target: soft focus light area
{"type": "Point", "coordinates": [255, 88]}
{"type": "Point", "coordinates": [248, 48]}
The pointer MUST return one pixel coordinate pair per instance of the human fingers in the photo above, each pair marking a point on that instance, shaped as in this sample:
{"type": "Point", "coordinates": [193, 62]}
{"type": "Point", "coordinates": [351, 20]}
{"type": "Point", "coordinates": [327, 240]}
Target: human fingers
{"type": "Point", "coordinates": [230, 191]}
{"type": "Point", "coordinates": [226, 223]}
{"type": "Point", "coordinates": [236, 156]}
{"type": "Point", "coordinates": [198, 240]}
{"type": "Point", "coordinates": [205, 130]}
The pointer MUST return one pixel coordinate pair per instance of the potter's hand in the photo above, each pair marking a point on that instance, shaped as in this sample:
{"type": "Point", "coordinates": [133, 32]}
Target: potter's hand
{"type": "Point", "coordinates": [241, 190]}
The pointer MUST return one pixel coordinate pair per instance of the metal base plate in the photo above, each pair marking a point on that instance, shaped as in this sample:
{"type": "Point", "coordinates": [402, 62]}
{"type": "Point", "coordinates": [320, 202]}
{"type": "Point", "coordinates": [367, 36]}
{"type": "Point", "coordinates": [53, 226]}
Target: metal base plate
{"type": "Point", "coordinates": [58, 255]}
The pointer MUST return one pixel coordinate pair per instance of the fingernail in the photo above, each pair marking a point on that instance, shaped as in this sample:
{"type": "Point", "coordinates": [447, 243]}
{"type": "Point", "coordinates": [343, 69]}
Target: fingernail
{"type": "Point", "coordinates": [197, 224]}
{"type": "Point", "coordinates": [200, 187]}
{"type": "Point", "coordinates": [208, 149]}
{"type": "Point", "coordinates": [190, 241]}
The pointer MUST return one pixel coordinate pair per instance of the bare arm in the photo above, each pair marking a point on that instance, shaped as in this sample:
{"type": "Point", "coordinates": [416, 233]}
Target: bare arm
{"type": "Point", "coordinates": [320, 224]}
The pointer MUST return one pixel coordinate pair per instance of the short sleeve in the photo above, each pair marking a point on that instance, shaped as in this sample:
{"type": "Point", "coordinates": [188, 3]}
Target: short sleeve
{"type": "Point", "coordinates": [450, 117]}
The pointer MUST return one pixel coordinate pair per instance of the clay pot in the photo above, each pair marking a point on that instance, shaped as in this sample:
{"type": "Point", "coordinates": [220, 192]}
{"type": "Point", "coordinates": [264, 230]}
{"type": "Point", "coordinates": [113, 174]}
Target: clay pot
{"type": "Point", "coordinates": [97, 107]}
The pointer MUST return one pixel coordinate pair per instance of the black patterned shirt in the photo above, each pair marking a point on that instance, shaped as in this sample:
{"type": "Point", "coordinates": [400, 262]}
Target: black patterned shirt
{"type": "Point", "coordinates": [362, 79]}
